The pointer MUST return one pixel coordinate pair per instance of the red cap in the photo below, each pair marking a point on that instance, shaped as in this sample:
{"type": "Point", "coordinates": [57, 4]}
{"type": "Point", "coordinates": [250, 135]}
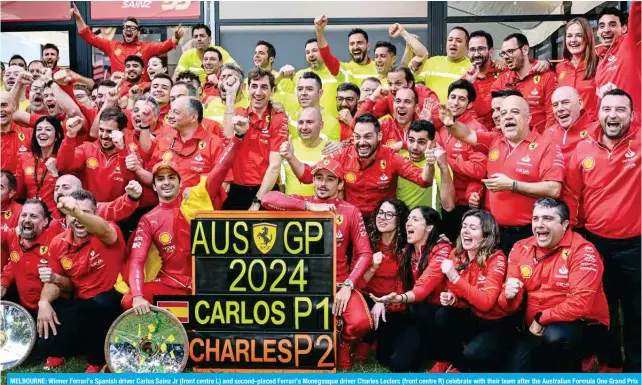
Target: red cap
{"type": "Point", "coordinates": [331, 165]}
{"type": "Point", "coordinates": [165, 164]}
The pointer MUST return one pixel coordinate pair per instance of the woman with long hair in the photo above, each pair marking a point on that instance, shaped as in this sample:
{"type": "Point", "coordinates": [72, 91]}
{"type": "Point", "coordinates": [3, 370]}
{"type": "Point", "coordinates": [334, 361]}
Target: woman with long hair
{"type": "Point", "coordinates": [36, 173]}
{"type": "Point", "coordinates": [471, 315]}
{"type": "Point", "coordinates": [578, 68]}
{"type": "Point", "coordinates": [387, 240]}
{"type": "Point", "coordinates": [404, 333]}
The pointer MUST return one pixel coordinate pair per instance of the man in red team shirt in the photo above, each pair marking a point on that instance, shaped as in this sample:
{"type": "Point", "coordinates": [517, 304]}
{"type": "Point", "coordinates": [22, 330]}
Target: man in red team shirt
{"type": "Point", "coordinates": [159, 89]}
{"type": "Point", "coordinates": [10, 208]}
{"type": "Point", "coordinates": [351, 305]}
{"type": "Point", "coordinates": [14, 138]}
{"type": "Point", "coordinates": [522, 166]}
{"type": "Point", "coordinates": [394, 129]}
{"type": "Point", "coordinates": [371, 169]}
{"type": "Point", "coordinates": [537, 88]}
{"type": "Point", "coordinates": [100, 164]}
{"type": "Point", "coordinates": [497, 98]}
{"type": "Point", "coordinates": [619, 66]}
{"type": "Point", "coordinates": [257, 170]}
{"type": "Point", "coordinates": [573, 124]}
{"type": "Point", "coordinates": [134, 69]}
{"type": "Point", "coordinates": [84, 260]}
{"type": "Point", "coordinates": [604, 172]}
{"type": "Point", "coordinates": [117, 51]}
{"type": "Point", "coordinates": [50, 56]}
{"type": "Point", "coordinates": [561, 275]}
{"type": "Point", "coordinates": [348, 96]}
{"type": "Point", "coordinates": [168, 230]}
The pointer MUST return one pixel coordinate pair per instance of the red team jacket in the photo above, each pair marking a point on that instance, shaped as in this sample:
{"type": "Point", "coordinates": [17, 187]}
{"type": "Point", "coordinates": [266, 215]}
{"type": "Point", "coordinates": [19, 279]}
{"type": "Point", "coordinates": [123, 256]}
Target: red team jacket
{"type": "Point", "coordinates": [384, 280]}
{"type": "Point", "coordinates": [568, 75]}
{"type": "Point", "coordinates": [482, 104]}
{"type": "Point", "coordinates": [36, 180]}
{"type": "Point", "coordinates": [8, 220]}
{"type": "Point", "coordinates": [432, 281]}
{"type": "Point", "coordinates": [13, 142]}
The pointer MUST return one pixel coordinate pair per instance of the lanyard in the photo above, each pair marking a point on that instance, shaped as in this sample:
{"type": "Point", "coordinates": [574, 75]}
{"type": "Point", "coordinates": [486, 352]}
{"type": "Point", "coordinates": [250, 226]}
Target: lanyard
{"type": "Point", "coordinates": [35, 176]}
{"type": "Point", "coordinates": [538, 260]}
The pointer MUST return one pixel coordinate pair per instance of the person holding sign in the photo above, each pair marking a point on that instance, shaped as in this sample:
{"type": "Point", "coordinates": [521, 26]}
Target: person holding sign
{"type": "Point", "coordinates": [166, 228]}
{"type": "Point", "coordinates": [349, 304]}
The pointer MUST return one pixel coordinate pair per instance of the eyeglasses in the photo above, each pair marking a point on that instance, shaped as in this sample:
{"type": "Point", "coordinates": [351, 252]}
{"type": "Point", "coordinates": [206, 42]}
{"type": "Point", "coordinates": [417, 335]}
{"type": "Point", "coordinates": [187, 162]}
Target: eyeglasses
{"type": "Point", "coordinates": [386, 214]}
{"type": "Point", "coordinates": [509, 52]}
{"type": "Point", "coordinates": [130, 27]}
{"type": "Point", "coordinates": [342, 99]}
{"type": "Point", "coordinates": [478, 50]}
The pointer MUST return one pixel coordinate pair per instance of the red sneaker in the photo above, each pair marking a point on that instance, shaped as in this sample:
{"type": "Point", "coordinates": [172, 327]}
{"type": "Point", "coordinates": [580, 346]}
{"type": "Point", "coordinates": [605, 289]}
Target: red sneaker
{"type": "Point", "coordinates": [362, 350]}
{"type": "Point", "coordinates": [589, 364]}
{"type": "Point", "coordinates": [608, 369]}
{"type": "Point", "coordinates": [54, 362]}
{"type": "Point", "coordinates": [345, 359]}
{"type": "Point", "coordinates": [95, 368]}
{"type": "Point", "coordinates": [440, 367]}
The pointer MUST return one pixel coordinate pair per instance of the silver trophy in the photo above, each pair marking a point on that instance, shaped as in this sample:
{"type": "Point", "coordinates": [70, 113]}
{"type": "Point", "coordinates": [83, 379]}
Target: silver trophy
{"type": "Point", "coordinates": [17, 334]}
{"type": "Point", "coordinates": [155, 342]}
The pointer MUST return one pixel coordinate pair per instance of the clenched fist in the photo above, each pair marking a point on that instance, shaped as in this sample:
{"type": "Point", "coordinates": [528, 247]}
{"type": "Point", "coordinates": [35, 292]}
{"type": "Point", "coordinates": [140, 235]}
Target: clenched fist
{"type": "Point", "coordinates": [51, 166]}
{"type": "Point", "coordinates": [132, 163]}
{"type": "Point", "coordinates": [134, 190]}
{"type": "Point", "coordinates": [320, 23]}
{"type": "Point", "coordinates": [118, 138]}
{"type": "Point", "coordinates": [74, 125]}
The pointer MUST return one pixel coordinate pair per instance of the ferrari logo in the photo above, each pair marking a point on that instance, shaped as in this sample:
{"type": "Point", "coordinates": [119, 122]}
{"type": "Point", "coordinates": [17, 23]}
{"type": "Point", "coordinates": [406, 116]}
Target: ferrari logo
{"type": "Point", "coordinates": [565, 254]}
{"type": "Point", "coordinates": [167, 156]}
{"type": "Point", "coordinates": [588, 163]}
{"type": "Point", "coordinates": [43, 249]}
{"type": "Point", "coordinates": [7, 214]}
{"type": "Point", "coordinates": [92, 162]}
{"type": "Point", "coordinates": [583, 133]}
{"type": "Point", "coordinates": [118, 51]}
{"type": "Point", "coordinates": [14, 257]}
{"type": "Point", "coordinates": [165, 238]}
{"type": "Point", "coordinates": [66, 263]}
{"type": "Point", "coordinates": [536, 79]}
{"type": "Point", "coordinates": [202, 145]}
{"type": "Point", "coordinates": [532, 146]}
{"type": "Point", "coordinates": [29, 171]}
{"type": "Point", "coordinates": [339, 219]}
{"type": "Point", "coordinates": [133, 146]}
{"type": "Point", "coordinates": [21, 136]}
{"type": "Point", "coordinates": [383, 164]}
{"type": "Point", "coordinates": [526, 271]}
{"type": "Point", "coordinates": [390, 142]}
{"type": "Point", "coordinates": [496, 75]}
{"type": "Point", "coordinates": [350, 177]}
{"type": "Point", "coordinates": [494, 155]}
{"type": "Point", "coordinates": [264, 236]}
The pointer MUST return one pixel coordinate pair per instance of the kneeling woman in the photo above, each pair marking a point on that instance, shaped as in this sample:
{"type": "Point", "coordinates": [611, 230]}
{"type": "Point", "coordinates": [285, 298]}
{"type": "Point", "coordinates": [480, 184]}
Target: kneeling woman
{"type": "Point", "coordinates": [475, 330]}
{"type": "Point", "coordinates": [402, 340]}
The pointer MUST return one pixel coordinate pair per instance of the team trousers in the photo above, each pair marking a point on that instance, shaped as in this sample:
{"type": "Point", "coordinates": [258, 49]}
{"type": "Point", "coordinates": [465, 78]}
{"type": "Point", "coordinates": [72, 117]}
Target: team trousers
{"type": "Point", "coordinates": [558, 350]}
{"type": "Point", "coordinates": [510, 235]}
{"type": "Point", "coordinates": [623, 288]}
{"type": "Point", "coordinates": [151, 289]}
{"type": "Point", "coordinates": [452, 221]}
{"type": "Point", "coordinates": [84, 324]}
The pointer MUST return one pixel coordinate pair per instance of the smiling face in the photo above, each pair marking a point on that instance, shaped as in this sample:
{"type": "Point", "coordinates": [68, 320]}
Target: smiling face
{"type": "Point", "coordinates": [326, 184]}
{"type": "Point", "coordinates": [130, 31]}
{"type": "Point", "coordinates": [50, 57]}
{"type": "Point", "coordinates": [101, 95]}
{"type": "Point", "coordinates": [308, 93]}
{"type": "Point", "coordinates": [417, 230]}
{"type": "Point", "coordinates": [133, 71]}
{"type": "Point", "coordinates": [458, 102]}
{"type": "Point", "coordinates": [609, 28]}
{"type": "Point", "coordinates": [514, 118]}
{"type": "Point", "coordinates": [404, 106]}
{"type": "Point", "coordinates": [32, 221]}
{"type": "Point", "coordinates": [574, 39]}
{"type": "Point", "coordinates": [384, 59]}
{"type": "Point", "coordinates": [261, 57]}
{"type": "Point", "coordinates": [457, 46]}
{"type": "Point", "coordinates": [515, 55]}
{"type": "Point", "coordinates": [211, 63]}
{"type": "Point", "coordinates": [548, 226]}
{"type": "Point", "coordinates": [155, 66]}
{"type": "Point", "coordinates": [160, 89]}
{"type": "Point", "coordinates": [312, 55]}
{"type": "Point", "coordinates": [615, 116]}
{"type": "Point", "coordinates": [65, 186]}
{"type": "Point", "coordinates": [11, 76]}
{"type": "Point", "coordinates": [479, 52]}
{"type": "Point", "coordinates": [396, 81]}
{"type": "Point", "coordinates": [567, 106]}
{"type": "Point", "coordinates": [358, 47]}
{"type": "Point", "coordinates": [105, 129]}
{"type": "Point", "coordinates": [7, 107]}
{"type": "Point", "coordinates": [386, 218]}
{"type": "Point", "coordinates": [143, 112]}
{"type": "Point", "coordinates": [77, 228]}
{"type": "Point", "coordinates": [347, 100]}
{"type": "Point", "coordinates": [260, 92]}
{"type": "Point", "coordinates": [45, 134]}
{"type": "Point", "coordinates": [167, 184]}
{"type": "Point", "coordinates": [471, 233]}
{"type": "Point", "coordinates": [366, 139]}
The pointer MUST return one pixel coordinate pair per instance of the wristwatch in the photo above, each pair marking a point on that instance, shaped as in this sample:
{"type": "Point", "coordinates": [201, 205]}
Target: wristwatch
{"type": "Point", "coordinates": [537, 317]}
{"type": "Point", "coordinates": [256, 200]}
{"type": "Point", "coordinates": [348, 282]}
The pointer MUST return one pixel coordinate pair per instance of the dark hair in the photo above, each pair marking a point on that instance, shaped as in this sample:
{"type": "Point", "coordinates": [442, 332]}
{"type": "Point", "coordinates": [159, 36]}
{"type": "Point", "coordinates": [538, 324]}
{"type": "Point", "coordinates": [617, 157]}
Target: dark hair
{"type": "Point", "coordinates": [11, 179]}
{"type": "Point", "coordinates": [258, 73]}
{"type": "Point", "coordinates": [490, 232]}
{"type": "Point", "coordinates": [83, 195]}
{"type": "Point", "coordinates": [399, 241]}
{"type": "Point", "coordinates": [313, 76]}
{"type": "Point", "coordinates": [163, 60]}
{"type": "Point", "coordinates": [188, 76]}
{"type": "Point", "coordinates": [105, 83]}
{"type": "Point", "coordinates": [505, 93]}
{"type": "Point", "coordinates": [391, 47]}
{"type": "Point", "coordinates": [613, 12]}
{"type": "Point", "coordinates": [35, 61]}
{"type": "Point", "coordinates": [521, 39]}
{"type": "Point", "coordinates": [349, 87]}
{"type": "Point", "coordinates": [17, 57]}
{"type": "Point", "coordinates": [212, 49]}
{"type": "Point", "coordinates": [618, 92]}
{"type": "Point", "coordinates": [485, 35]}
{"type": "Point", "coordinates": [404, 271]}
{"type": "Point", "coordinates": [59, 135]}
{"type": "Point", "coordinates": [191, 90]}
{"type": "Point", "coordinates": [464, 30]}
{"type": "Point", "coordinates": [559, 205]}
{"type": "Point", "coordinates": [423, 125]}
{"type": "Point", "coordinates": [407, 73]}
{"type": "Point", "coordinates": [82, 87]}
{"type": "Point", "coordinates": [368, 118]}
{"type": "Point", "coordinates": [463, 84]}
{"type": "Point", "coordinates": [414, 93]}
{"type": "Point", "coordinates": [373, 79]}
{"type": "Point", "coordinates": [50, 46]}
{"type": "Point", "coordinates": [270, 47]}
{"type": "Point", "coordinates": [313, 40]}
{"type": "Point", "coordinates": [135, 58]}
{"type": "Point", "coordinates": [194, 105]}
{"type": "Point", "coordinates": [132, 19]}
{"type": "Point", "coordinates": [207, 29]}
{"type": "Point", "coordinates": [356, 31]}
{"type": "Point", "coordinates": [114, 115]}
{"type": "Point", "coordinates": [164, 76]}
{"type": "Point", "coordinates": [43, 206]}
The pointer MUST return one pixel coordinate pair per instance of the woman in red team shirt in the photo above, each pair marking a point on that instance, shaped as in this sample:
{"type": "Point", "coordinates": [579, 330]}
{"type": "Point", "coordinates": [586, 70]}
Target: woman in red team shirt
{"type": "Point", "coordinates": [36, 172]}
{"type": "Point", "coordinates": [578, 68]}
{"type": "Point", "coordinates": [473, 329]}
{"type": "Point", "coordinates": [403, 336]}
{"type": "Point", "coordinates": [387, 240]}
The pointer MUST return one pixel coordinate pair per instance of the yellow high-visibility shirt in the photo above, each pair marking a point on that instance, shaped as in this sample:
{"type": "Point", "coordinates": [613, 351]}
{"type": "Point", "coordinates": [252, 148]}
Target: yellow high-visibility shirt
{"type": "Point", "coordinates": [190, 61]}
{"type": "Point", "coordinates": [439, 73]}
{"type": "Point", "coordinates": [307, 155]}
{"type": "Point", "coordinates": [330, 83]}
{"type": "Point", "coordinates": [331, 127]}
{"type": "Point", "coordinates": [215, 108]}
{"type": "Point", "coordinates": [414, 195]}
{"type": "Point", "coordinates": [357, 73]}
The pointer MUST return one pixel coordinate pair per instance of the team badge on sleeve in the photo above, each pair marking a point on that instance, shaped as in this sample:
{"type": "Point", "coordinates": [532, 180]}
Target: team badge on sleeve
{"type": "Point", "coordinates": [588, 163]}
{"type": "Point", "coordinates": [350, 177]}
{"type": "Point", "coordinates": [526, 271]}
{"type": "Point", "coordinates": [66, 263]}
{"type": "Point", "coordinates": [92, 163]}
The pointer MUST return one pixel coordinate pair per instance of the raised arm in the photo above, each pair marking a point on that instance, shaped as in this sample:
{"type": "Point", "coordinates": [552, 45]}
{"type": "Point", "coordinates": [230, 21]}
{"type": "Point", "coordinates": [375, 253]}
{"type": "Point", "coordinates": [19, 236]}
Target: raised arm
{"type": "Point", "coordinates": [94, 224]}
{"type": "Point", "coordinates": [397, 30]}
{"type": "Point", "coordinates": [331, 61]}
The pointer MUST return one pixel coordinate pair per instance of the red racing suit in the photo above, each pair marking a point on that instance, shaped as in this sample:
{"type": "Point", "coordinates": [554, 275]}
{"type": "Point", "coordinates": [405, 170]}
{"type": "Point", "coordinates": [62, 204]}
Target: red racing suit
{"type": "Point", "coordinates": [350, 230]}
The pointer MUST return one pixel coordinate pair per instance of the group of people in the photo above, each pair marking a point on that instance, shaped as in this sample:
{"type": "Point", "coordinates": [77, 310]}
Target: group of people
{"type": "Point", "coordinates": [487, 206]}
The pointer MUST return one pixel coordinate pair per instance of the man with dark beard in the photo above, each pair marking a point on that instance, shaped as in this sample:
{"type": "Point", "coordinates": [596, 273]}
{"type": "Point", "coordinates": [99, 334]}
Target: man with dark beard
{"type": "Point", "coordinates": [347, 101]}
{"type": "Point", "coordinates": [50, 56]}
{"type": "Point", "coordinates": [134, 68]}
{"type": "Point", "coordinates": [118, 51]}
{"type": "Point", "coordinates": [361, 67]}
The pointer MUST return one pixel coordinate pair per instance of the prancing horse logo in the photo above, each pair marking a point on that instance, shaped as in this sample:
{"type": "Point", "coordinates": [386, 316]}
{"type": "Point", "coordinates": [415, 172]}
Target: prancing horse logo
{"type": "Point", "coordinates": [264, 236]}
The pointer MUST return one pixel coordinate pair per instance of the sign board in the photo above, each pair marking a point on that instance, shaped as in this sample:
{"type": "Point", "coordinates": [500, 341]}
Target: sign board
{"type": "Point", "coordinates": [264, 284]}
{"type": "Point", "coordinates": [145, 10]}
{"type": "Point", "coordinates": [11, 11]}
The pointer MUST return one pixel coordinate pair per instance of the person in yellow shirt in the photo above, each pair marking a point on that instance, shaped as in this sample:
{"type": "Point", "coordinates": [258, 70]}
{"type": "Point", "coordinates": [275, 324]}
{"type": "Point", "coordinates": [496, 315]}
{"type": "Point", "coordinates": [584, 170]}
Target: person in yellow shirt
{"type": "Point", "coordinates": [439, 72]}
{"type": "Point", "coordinates": [308, 148]}
{"type": "Point", "coordinates": [217, 109]}
{"type": "Point", "coordinates": [191, 60]}
{"type": "Point", "coordinates": [264, 56]}
{"type": "Point", "coordinates": [330, 82]}
{"type": "Point", "coordinates": [9, 80]}
{"type": "Point", "coordinates": [360, 67]}
{"type": "Point", "coordinates": [421, 149]}
{"type": "Point", "coordinates": [309, 90]}
{"type": "Point", "coordinates": [385, 54]}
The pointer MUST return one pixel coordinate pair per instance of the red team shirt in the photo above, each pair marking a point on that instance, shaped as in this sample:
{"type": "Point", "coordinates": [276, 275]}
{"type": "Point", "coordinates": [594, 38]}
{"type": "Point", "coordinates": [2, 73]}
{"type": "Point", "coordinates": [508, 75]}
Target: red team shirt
{"type": "Point", "coordinates": [432, 281]}
{"type": "Point", "coordinates": [8, 220]}
{"type": "Point", "coordinates": [384, 280]}
{"type": "Point", "coordinates": [13, 142]}
{"type": "Point", "coordinates": [568, 75]}
{"type": "Point", "coordinates": [482, 104]}
{"type": "Point", "coordinates": [36, 180]}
